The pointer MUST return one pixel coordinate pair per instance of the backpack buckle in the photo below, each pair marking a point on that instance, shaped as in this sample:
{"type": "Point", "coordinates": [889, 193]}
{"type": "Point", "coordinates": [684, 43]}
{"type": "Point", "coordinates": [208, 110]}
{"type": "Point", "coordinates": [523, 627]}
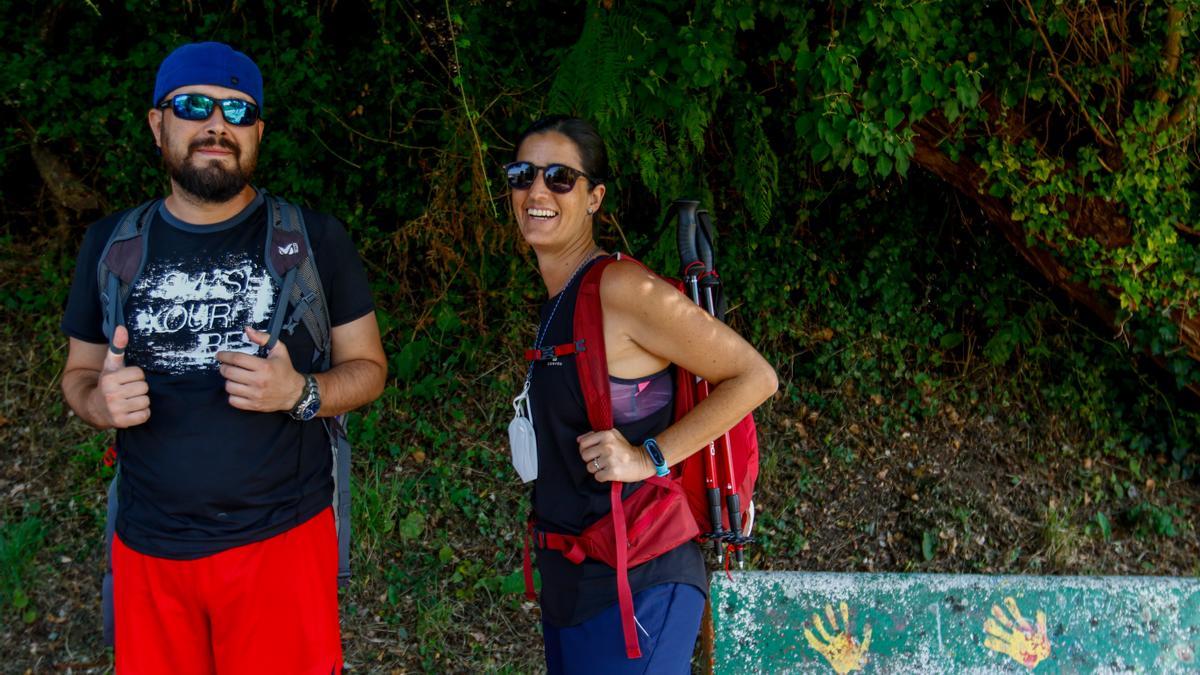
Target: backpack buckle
{"type": "Point", "coordinates": [297, 315]}
{"type": "Point", "coordinates": [555, 352]}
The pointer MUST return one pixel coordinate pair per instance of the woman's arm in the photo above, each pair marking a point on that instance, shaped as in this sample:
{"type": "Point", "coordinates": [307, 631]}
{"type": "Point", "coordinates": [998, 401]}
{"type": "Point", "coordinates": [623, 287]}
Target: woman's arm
{"type": "Point", "coordinates": [645, 317]}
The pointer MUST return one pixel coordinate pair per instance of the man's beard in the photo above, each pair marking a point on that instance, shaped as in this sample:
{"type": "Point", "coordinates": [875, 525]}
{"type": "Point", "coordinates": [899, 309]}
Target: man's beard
{"type": "Point", "coordinates": [210, 182]}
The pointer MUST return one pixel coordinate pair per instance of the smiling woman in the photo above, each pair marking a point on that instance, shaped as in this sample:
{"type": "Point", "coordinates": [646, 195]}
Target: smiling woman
{"type": "Point", "coordinates": [557, 184]}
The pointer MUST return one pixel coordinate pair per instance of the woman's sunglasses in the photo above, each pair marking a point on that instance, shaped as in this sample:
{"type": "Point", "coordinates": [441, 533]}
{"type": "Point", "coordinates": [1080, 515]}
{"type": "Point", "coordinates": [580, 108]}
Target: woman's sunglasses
{"type": "Point", "coordinates": [197, 107]}
{"type": "Point", "coordinates": [559, 178]}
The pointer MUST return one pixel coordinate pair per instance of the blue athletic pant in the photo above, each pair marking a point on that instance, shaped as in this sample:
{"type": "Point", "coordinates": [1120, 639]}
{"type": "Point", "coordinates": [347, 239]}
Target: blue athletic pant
{"type": "Point", "coordinates": [669, 620]}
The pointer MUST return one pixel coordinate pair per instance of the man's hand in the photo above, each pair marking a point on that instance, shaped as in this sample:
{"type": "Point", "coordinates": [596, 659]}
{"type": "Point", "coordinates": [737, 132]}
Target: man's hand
{"type": "Point", "coordinates": [258, 384]}
{"type": "Point", "coordinates": [610, 457]}
{"type": "Point", "coordinates": [124, 394]}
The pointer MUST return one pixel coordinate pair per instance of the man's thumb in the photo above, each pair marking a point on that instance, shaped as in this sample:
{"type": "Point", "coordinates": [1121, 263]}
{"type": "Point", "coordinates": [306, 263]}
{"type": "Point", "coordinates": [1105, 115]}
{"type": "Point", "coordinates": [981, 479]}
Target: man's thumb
{"type": "Point", "coordinates": [258, 337]}
{"type": "Point", "coordinates": [114, 358]}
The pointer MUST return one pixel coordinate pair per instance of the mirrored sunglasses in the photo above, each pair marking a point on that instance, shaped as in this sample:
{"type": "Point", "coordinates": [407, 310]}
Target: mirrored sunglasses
{"type": "Point", "coordinates": [197, 107]}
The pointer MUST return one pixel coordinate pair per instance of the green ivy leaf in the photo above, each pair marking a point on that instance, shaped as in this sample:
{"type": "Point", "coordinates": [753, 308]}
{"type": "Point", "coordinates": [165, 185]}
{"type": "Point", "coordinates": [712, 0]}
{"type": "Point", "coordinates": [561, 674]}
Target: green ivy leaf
{"type": "Point", "coordinates": [952, 111]}
{"type": "Point", "coordinates": [950, 340]}
{"type": "Point", "coordinates": [893, 117]}
{"type": "Point", "coordinates": [514, 583]}
{"type": "Point", "coordinates": [412, 526]}
{"type": "Point", "coordinates": [820, 151]}
{"type": "Point", "coordinates": [883, 165]}
{"type": "Point", "coordinates": [409, 359]}
{"type": "Point", "coordinates": [929, 545]}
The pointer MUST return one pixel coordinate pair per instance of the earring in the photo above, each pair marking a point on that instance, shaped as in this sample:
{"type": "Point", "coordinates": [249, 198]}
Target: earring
{"type": "Point", "coordinates": [589, 212]}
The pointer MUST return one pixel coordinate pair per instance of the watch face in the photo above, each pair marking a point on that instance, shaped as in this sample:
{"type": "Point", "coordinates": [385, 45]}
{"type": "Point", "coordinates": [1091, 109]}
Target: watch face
{"type": "Point", "coordinates": [309, 403]}
{"type": "Point", "coordinates": [310, 410]}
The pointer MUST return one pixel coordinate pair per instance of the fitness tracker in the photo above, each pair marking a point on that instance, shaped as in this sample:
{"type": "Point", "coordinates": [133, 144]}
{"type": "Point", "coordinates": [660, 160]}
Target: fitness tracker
{"type": "Point", "coordinates": [656, 457]}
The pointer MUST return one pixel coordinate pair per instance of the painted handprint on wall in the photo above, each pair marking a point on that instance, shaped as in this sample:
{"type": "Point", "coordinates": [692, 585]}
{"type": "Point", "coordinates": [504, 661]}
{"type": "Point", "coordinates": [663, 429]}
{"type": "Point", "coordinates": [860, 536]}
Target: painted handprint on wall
{"type": "Point", "coordinates": [840, 649]}
{"type": "Point", "coordinates": [1016, 637]}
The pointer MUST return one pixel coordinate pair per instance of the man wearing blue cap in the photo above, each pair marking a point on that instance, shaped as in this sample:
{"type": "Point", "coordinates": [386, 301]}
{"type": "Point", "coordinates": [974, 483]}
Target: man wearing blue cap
{"type": "Point", "coordinates": [225, 556]}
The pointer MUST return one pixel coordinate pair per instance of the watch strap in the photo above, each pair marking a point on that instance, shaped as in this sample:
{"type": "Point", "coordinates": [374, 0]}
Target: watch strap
{"type": "Point", "coordinates": [307, 395]}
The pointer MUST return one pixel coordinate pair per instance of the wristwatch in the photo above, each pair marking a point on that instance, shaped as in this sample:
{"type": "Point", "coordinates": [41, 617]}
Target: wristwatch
{"type": "Point", "coordinates": [656, 457]}
{"type": "Point", "coordinates": [310, 401]}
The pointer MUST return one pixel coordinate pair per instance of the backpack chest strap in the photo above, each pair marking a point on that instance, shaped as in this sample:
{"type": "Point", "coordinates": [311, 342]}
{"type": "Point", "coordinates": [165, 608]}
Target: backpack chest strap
{"type": "Point", "coordinates": [557, 351]}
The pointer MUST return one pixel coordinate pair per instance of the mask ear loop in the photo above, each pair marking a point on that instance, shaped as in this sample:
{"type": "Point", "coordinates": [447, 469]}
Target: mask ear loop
{"type": "Point", "coordinates": [521, 407]}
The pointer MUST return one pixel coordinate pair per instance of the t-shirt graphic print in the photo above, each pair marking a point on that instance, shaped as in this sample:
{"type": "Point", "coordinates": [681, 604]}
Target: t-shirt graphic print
{"type": "Point", "coordinates": [187, 311]}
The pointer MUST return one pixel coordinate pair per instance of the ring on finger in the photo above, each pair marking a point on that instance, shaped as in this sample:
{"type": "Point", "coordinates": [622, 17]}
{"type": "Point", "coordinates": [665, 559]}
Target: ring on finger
{"type": "Point", "coordinates": [596, 463]}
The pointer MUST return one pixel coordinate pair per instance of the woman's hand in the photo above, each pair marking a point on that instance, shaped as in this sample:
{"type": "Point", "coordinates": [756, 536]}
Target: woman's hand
{"type": "Point", "coordinates": [609, 457]}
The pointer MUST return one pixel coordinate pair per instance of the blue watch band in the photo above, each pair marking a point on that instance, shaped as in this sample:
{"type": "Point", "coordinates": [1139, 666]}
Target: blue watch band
{"type": "Point", "coordinates": [656, 457]}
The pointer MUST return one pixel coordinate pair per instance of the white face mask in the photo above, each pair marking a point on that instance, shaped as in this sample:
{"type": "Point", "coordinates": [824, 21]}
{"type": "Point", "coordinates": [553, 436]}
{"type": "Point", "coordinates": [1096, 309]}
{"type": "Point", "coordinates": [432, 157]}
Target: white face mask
{"type": "Point", "coordinates": [521, 440]}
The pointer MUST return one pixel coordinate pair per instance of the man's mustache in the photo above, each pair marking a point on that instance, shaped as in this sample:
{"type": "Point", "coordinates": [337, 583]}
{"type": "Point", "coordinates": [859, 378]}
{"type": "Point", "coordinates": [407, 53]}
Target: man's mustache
{"type": "Point", "coordinates": [215, 142]}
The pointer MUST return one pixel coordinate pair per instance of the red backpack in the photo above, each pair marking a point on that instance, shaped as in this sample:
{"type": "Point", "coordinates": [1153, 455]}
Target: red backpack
{"type": "Point", "coordinates": [663, 513]}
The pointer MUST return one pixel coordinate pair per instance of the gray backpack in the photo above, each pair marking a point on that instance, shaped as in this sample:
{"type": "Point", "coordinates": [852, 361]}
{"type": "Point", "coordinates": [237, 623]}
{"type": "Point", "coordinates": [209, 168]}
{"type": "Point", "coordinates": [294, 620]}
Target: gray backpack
{"type": "Point", "coordinates": [301, 301]}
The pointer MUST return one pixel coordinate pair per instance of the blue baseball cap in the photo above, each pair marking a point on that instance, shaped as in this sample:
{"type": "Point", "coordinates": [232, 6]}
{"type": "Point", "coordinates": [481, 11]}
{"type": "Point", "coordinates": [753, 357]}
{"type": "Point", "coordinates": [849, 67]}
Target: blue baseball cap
{"type": "Point", "coordinates": [212, 63]}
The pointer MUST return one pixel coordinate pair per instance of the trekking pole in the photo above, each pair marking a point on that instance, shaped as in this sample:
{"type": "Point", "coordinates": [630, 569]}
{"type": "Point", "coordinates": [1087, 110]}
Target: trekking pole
{"type": "Point", "coordinates": [710, 283]}
{"type": "Point", "coordinates": [693, 270]}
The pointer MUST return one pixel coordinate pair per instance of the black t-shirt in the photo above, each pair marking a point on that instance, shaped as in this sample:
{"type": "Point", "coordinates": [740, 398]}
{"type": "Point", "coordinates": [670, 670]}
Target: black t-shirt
{"type": "Point", "coordinates": [566, 499]}
{"type": "Point", "coordinates": [201, 476]}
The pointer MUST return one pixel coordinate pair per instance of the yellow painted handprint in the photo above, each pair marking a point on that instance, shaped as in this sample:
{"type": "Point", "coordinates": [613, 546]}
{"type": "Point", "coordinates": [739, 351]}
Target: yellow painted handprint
{"type": "Point", "coordinates": [841, 650]}
{"type": "Point", "coordinates": [1016, 637]}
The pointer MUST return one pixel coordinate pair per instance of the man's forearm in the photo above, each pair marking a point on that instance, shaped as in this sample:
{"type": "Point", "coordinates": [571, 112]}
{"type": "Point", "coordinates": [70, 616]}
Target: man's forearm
{"type": "Point", "coordinates": [350, 385]}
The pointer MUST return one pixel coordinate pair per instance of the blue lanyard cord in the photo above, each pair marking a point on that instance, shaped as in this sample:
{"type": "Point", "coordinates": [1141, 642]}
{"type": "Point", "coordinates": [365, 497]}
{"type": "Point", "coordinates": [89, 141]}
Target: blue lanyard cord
{"type": "Point", "coordinates": [539, 344]}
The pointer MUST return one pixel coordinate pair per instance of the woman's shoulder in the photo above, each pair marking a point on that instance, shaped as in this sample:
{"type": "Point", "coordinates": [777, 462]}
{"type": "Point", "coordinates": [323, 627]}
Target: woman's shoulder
{"type": "Point", "coordinates": [630, 289]}
{"type": "Point", "coordinates": [626, 277]}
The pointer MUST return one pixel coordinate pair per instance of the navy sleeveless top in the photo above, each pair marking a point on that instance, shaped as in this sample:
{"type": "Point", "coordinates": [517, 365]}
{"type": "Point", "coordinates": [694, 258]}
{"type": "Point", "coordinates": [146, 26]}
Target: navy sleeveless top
{"type": "Point", "coordinates": [566, 499]}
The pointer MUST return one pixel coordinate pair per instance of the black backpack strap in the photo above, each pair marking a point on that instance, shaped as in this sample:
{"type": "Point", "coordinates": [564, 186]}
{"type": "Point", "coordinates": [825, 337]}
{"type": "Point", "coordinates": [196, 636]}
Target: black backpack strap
{"type": "Point", "coordinates": [339, 443]}
{"type": "Point", "coordinates": [107, 609]}
{"type": "Point", "coordinates": [121, 263]}
{"type": "Point", "coordinates": [301, 300]}
{"type": "Point", "coordinates": [289, 259]}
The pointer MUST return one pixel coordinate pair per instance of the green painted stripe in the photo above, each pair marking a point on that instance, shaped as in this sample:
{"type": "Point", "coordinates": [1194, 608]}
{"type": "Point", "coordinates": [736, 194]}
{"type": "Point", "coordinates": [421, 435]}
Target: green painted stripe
{"type": "Point", "coordinates": [935, 623]}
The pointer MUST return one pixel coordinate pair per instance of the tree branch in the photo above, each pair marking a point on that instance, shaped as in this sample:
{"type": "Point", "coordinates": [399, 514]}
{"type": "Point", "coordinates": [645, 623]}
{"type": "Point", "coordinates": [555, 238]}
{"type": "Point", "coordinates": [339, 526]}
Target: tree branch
{"type": "Point", "coordinates": [1091, 218]}
{"type": "Point", "coordinates": [1171, 52]}
{"type": "Point", "coordinates": [1104, 138]}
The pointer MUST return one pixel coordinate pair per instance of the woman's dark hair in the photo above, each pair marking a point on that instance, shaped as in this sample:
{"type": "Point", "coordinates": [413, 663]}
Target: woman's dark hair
{"type": "Point", "coordinates": [591, 147]}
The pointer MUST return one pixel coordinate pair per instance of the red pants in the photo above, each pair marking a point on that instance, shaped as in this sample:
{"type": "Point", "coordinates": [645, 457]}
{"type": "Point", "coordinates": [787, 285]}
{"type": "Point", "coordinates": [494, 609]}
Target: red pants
{"type": "Point", "coordinates": [267, 607]}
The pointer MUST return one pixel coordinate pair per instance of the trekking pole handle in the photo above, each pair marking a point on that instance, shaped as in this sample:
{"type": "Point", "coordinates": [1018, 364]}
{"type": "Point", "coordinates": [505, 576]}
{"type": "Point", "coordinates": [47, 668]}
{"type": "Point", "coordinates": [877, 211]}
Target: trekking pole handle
{"type": "Point", "coordinates": [685, 234]}
{"type": "Point", "coordinates": [704, 241]}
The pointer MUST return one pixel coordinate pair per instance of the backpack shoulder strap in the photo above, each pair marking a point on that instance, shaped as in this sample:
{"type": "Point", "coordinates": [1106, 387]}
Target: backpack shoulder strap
{"type": "Point", "coordinates": [121, 262]}
{"type": "Point", "coordinates": [289, 259]}
{"type": "Point", "coordinates": [591, 362]}
{"type": "Point", "coordinates": [590, 359]}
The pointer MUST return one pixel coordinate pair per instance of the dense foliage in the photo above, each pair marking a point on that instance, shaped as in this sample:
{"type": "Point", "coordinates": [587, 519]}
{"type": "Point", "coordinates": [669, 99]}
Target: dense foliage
{"type": "Point", "coordinates": [872, 164]}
